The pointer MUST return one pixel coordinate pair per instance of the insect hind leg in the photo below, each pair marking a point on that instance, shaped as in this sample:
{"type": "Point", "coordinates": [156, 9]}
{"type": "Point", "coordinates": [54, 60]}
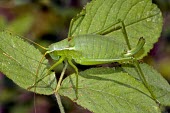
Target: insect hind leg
{"type": "Point", "coordinates": [132, 52]}
{"type": "Point", "coordinates": [112, 28]}
{"type": "Point", "coordinates": [143, 79]}
{"type": "Point", "coordinates": [108, 29]}
{"type": "Point", "coordinates": [81, 14]}
{"type": "Point", "coordinates": [125, 33]}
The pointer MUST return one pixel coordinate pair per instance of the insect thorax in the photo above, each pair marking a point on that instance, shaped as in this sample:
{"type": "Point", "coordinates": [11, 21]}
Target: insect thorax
{"type": "Point", "coordinates": [62, 49]}
{"type": "Point", "coordinates": [70, 54]}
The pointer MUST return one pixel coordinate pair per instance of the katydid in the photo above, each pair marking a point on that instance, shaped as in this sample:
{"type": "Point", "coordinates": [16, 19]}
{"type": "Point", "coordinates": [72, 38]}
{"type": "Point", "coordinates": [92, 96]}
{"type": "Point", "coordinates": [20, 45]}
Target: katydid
{"type": "Point", "coordinates": [93, 49]}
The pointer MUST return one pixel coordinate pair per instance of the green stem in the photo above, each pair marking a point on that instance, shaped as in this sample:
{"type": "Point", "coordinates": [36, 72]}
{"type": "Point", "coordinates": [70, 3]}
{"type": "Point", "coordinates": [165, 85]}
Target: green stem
{"type": "Point", "coordinates": [59, 103]}
{"type": "Point", "coordinates": [58, 87]}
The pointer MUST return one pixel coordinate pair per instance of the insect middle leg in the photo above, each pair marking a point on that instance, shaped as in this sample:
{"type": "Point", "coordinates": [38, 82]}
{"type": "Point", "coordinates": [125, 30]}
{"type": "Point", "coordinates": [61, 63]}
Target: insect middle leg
{"type": "Point", "coordinates": [72, 65]}
{"type": "Point", "coordinates": [76, 69]}
{"type": "Point", "coordinates": [37, 73]}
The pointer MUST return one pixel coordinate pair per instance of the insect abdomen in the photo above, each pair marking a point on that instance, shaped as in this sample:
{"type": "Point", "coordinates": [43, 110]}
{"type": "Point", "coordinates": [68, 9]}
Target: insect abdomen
{"type": "Point", "coordinates": [98, 47]}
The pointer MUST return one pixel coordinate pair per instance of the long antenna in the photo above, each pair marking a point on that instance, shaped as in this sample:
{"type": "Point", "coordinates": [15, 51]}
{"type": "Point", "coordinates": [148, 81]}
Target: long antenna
{"type": "Point", "coordinates": [8, 30]}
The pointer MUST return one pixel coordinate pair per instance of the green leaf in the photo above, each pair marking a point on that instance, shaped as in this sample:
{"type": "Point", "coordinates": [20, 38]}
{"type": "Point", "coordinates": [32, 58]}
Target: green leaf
{"type": "Point", "coordinates": [158, 84]}
{"type": "Point", "coordinates": [141, 18]}
{"type": "Point", "coordinates": [109, 90]}
{"type": "Point", "coordinates": [19, 61]}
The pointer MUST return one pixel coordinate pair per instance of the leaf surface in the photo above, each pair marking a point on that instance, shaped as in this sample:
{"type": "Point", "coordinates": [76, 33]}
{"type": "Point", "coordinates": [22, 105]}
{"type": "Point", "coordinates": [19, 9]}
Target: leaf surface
{"type": "Point", "coordinates": [19, 61]}
{"type": "Point", "coordinates": [110, 90]}
{"type": "Point", "coordinates": [141, 19]}
{"type": "Point", "coordinates": [158, 84]}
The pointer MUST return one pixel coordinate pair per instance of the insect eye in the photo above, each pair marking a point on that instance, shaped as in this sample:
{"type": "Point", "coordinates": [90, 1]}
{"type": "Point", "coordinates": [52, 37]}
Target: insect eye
{"type": "Point", "coordinates": [57, 57]}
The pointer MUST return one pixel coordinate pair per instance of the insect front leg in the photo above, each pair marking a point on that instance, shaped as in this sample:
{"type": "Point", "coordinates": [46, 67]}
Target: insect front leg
{"type": "Point", "coordinates": [46, 74]}
{"type": "Point", "coordinates": [37, 72]}
{"type": "Point", "coordinates": [76, 70]}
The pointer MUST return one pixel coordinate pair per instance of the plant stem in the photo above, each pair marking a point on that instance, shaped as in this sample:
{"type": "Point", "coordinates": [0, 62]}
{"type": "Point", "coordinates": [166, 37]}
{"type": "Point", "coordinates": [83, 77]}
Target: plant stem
{"type": "Point", "coordinates": [58, 87]}
{"type": "Point", "coordinates": [59, 103]}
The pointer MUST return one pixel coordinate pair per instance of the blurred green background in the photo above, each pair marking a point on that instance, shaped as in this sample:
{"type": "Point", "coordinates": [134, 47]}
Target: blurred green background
{"type": "Point", "coordinates": [47, 21]}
